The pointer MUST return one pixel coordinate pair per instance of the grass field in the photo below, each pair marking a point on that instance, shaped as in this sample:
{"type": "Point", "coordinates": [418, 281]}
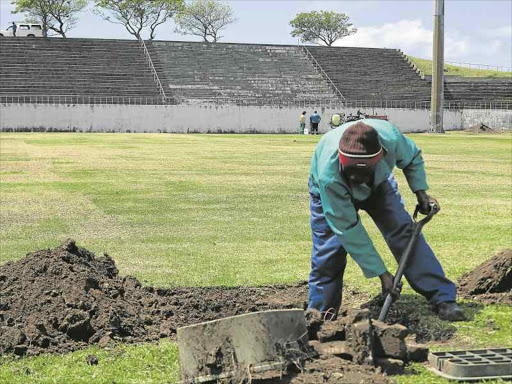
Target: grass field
{"type": "Point", "coordinates": [225, 210]}
{"type": "Point", "coordinates": [425, 66]}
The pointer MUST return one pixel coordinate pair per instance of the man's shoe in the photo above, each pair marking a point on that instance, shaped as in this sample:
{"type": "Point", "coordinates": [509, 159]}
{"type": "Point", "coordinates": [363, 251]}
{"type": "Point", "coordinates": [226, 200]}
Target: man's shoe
{"type": "Point", "coordinates": [450, 311]}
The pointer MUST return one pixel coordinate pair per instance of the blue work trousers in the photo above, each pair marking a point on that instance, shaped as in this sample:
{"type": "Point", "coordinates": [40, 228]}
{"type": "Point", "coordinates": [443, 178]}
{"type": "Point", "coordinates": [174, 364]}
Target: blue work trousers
{"type": "Point", "coordinates": [328, 258]}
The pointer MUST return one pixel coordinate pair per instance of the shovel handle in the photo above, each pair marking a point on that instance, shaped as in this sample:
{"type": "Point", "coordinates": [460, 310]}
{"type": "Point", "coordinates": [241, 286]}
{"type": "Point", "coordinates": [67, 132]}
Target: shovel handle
{"type": "Point", "coordinates": [385, 307]}
{"type": "Point", "coordinates": [417, 226]}
{"type": "Point", "coordinates": [433, 210]}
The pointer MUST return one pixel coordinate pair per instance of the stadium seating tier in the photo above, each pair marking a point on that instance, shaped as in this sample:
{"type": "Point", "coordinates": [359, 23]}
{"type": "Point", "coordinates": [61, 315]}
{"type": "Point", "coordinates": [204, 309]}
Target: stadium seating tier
{"type": "Point", "coordinates": [197, 72]}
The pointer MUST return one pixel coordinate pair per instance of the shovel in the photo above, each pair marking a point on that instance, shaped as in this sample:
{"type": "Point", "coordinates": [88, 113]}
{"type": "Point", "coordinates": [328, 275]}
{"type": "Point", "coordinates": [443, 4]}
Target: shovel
{"type": "Point", "coordinates": [416, 231]}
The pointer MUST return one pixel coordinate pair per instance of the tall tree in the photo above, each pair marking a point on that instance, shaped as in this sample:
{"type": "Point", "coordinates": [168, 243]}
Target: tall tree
{"type": "Point", "coordinates": [321, 27]}
{"type": "Point", "coordinates": [63, 14]}
{"type": "Point", "coordinates": [56, 15]}
{"type": "Point", "coordinates": [205, 18]}
{"type": "Point", "coordinates": [138, 15]}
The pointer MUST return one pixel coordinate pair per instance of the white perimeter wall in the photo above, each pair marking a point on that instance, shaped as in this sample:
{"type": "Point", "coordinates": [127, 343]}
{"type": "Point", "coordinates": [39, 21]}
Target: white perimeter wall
{"type": "Point", "coordinates": [213, 119]}
{"type": "Point", "coordinates": [491, 118]}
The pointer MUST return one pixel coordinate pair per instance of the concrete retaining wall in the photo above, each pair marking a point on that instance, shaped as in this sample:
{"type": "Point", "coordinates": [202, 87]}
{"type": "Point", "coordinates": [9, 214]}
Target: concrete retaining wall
{"type": "Point", "coordinates": [491, 118]}
{"type": "Point", "coordinates": [213, 119]}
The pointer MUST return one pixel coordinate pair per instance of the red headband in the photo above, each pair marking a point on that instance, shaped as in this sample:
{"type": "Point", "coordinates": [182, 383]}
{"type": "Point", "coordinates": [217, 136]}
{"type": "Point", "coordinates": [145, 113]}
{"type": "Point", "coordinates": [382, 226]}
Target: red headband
{"type": "Point", "coordinates": [369, 160]}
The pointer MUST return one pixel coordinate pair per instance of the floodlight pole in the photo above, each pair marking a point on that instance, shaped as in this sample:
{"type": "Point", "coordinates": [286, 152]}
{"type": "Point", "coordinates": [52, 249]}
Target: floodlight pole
{"type": "Point", "coordinates": [437, 94]}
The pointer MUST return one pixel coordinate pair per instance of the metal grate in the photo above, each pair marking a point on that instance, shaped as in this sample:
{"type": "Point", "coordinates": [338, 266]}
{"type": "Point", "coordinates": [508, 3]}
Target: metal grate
{"type": "Point", "coordinates": [473, 365]}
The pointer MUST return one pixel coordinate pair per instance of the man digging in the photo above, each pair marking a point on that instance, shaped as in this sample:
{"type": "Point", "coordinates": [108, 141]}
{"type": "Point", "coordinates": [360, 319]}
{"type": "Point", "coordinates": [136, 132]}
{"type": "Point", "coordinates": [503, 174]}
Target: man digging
{"type": "Point", "coordinates": [351, 169]}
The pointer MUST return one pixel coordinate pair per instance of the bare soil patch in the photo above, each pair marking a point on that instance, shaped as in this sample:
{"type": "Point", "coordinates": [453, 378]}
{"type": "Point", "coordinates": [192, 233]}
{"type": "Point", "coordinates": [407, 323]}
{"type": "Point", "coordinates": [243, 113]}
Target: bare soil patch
{"type": "Point", "coordinates": [491, 281]}
{"type": "Point", "coordinates": [66, 298]}
{"type": "Point", "coordinates": [332, 370]}
{"type": "Point", "coordinates": [482, 128]}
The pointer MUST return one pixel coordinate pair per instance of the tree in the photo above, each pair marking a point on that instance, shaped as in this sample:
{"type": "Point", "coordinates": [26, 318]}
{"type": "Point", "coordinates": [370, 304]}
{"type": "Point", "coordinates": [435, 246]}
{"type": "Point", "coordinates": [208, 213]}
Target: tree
{"type": "Point", "coordinates": [137, 15]}
{"type": "Point", "coordinates": [205, 18]}
{"type": "Point", "coordinates": [56, 15]}
{"type": "Point", "coordinates": [63, 14]}
{"type": "Point", "coordinates": [323, 26]}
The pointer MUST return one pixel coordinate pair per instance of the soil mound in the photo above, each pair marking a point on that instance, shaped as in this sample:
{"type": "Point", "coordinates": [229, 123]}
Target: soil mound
{"type": "Point", "coordinates": [67, 298]}
{"type": "Point", "coordinates": [58, 299]}
{"type": "Point", "coordinates": [482, 128]}
{"type": "Point", "coordinates": [491, 281]}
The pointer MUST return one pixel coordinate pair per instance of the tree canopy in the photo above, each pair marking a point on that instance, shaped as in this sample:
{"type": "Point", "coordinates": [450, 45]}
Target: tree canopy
{"type": "Point", "coordinates": [56, 15]}
{"type": "Point", "coordinates": [138, 15]}
{"type": "Point", "coordinates": [204, 18]}
{"type": "Point", "coordinates": [321, 27]}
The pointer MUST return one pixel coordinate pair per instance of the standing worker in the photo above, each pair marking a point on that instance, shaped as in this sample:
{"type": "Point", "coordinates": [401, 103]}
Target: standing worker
{"type": "Point", "coordinates": [314, 120]}
{"type": "Point", "coordinates": [14, 28]}
{"type": "Point", "coordinates": [302, 123]}
{"type": "Point", "coordinates": [351, 170]}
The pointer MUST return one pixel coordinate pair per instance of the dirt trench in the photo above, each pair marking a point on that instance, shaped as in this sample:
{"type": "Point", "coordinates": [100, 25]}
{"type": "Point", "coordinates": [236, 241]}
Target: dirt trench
{"type": "Point", "coordinates": [63, 299]}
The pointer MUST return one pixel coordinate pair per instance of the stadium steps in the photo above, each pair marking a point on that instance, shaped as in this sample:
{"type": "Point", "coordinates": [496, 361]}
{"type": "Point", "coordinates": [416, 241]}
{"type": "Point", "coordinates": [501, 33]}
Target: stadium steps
{"type": "Point", "coordinates": [223, 72]}
{"type": "Point", "coordinates": [376, 74]}
{"type": "Point", "coordinates": [478, 90]}
{"type": "Point", "coordinates": [196, 72]}
{"type": "Point", "coordinates": [76, 67]}
{"type": "Point", "coordinates": [371, 74]}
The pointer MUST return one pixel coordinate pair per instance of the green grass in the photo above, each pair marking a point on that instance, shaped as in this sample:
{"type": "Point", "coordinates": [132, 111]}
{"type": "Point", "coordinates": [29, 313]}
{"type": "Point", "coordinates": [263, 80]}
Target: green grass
{"type": "Point", "coordinates": [425, 66]}
{"type": "Point", "coordinates": [133, 364]}
{"type": "Point", "coordinates": [226, 210]}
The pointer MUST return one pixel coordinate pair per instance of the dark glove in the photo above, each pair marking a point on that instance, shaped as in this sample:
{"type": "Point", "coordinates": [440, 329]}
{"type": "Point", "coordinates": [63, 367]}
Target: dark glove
{"type": "Point", "coordinates": [424, 202]}
{"type": "Point", "coordinates": [386, 281]}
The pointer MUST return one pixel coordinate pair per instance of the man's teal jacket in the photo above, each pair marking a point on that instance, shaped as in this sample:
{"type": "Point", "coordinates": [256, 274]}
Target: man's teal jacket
{"type": "Point", "coordinates": [339, 197]}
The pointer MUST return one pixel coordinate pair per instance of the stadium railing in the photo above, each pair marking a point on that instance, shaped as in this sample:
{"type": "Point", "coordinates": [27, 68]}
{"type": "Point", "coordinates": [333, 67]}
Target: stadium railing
{"type": "Point", "coordinates": [319, 68]}
{"type": "Point", "coordinates": [489, 67]}
{"type": "Point", "coordinates": [156, 78]}
{"type": "Point", "coordinates": [84, 99]}
{"type": "Point", "coordinates": [264, 103]}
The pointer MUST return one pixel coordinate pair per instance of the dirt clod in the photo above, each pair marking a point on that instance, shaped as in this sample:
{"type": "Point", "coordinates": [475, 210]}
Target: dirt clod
{"type": "Point", "coordinates": [91, 360]}
{"type": "Point", "coordinates": [314, 320]}
{"type": "Point", "coordinates": [389, 340]}
{"type": "Point", "coordinates": [491, 281]}
{"type": "Point", "coordinates": [390, 366]}
{"type": "Point", "coordinates": [332, 331]}
{"type": "Point", "coordinates": [417, 352]}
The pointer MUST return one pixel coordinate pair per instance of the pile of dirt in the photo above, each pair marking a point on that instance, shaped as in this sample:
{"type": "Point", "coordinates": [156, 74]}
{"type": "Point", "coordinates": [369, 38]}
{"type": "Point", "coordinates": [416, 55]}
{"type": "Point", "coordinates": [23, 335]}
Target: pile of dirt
{"type": "Point", "coordinates": [491, 281]}
{"type": "Point", "coordinates": [66, 298]}
{"type": "Point", "coordinates": [482, 128]}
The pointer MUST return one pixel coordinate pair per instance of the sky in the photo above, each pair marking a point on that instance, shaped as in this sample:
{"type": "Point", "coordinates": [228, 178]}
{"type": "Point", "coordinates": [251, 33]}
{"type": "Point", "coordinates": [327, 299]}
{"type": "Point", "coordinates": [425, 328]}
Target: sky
{"type": "Point", "coordinates": [476, 31]}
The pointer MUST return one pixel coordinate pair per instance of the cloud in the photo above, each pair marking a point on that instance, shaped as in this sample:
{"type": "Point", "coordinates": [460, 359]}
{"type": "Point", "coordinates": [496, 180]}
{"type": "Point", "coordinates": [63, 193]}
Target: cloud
{"type": "Point", "coordinates": [408, 35]}
{"type": "Point", "coordinates": [457, 47]}
{"type": "Point", "coordinates": [504, 32]}
{"type": "Point", "coordinates": [414, 39]}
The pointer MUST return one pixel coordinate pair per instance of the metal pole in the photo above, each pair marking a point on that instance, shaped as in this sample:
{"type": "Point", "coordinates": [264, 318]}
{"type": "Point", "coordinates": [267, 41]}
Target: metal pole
{"type": "Point", "coordinates": [437, 95]}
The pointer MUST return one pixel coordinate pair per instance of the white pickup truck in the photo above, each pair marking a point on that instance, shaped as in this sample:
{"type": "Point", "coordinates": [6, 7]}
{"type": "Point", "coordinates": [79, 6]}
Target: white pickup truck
{"type": "Point", "coordinates": [23, 30]}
